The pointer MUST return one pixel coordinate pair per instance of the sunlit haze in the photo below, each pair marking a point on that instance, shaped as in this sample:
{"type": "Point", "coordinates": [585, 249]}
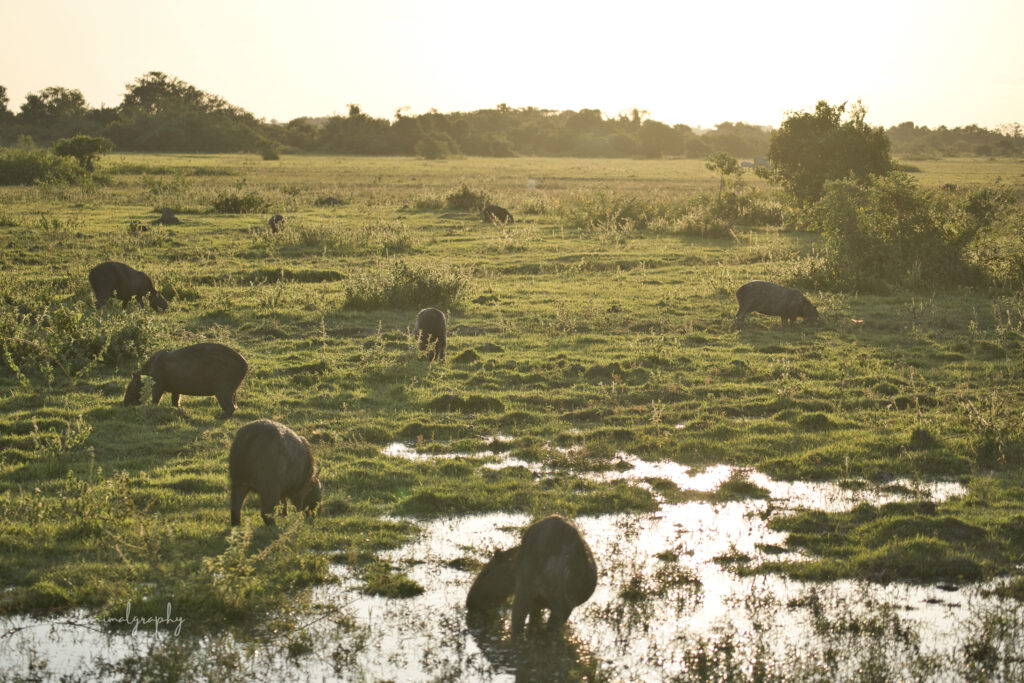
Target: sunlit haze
{"type": "Point", "coordinates": [934, 62]}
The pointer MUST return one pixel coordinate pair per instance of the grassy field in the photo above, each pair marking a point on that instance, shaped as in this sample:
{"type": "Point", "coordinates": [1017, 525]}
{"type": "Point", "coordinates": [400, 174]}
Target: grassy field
{"type": "Point", "coordinates": [572, 341]}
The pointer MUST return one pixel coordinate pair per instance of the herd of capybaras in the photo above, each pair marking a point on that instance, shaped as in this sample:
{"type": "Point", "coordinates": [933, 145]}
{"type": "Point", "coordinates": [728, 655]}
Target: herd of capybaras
{"type": "Point", "coordinates": [552, 568]}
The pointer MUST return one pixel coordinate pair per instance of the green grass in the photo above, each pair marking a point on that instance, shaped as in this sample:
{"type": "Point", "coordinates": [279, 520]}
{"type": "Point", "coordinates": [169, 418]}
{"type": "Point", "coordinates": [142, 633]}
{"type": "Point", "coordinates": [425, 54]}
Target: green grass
{"type": "Point", "coordinates": [559, 336]}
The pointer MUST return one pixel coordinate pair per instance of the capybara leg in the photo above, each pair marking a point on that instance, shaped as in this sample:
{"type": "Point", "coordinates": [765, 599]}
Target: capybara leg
{"type": "Point", "coordinates": [267, 510]}
{"type": "Point", "coordinates": [101, 299]}
{"type": "Point", "coordinates": [559, 615]}
{"type": "Point", "coordinates": [158, 391]}
{"type": "Point", "coordinates": [519, 610]}
{"type": "Point", "coordinates": [237, 499]}
{"type": "Point", "coordinates": [227, 403]}
{"type": "Point", "coordinates": [536, 616]}
{"type": "Point", "coordinates": [176, 400]}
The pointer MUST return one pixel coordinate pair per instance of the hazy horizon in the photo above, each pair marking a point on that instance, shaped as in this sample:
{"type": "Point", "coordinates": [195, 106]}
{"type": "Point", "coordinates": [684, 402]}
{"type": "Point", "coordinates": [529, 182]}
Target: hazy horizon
{"type": "Point", "coordinates": [933, 63]}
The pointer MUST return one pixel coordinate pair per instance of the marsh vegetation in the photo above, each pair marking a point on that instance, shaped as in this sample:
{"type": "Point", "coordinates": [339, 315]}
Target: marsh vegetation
{"type": "Point", "coordinates": [768, 502]}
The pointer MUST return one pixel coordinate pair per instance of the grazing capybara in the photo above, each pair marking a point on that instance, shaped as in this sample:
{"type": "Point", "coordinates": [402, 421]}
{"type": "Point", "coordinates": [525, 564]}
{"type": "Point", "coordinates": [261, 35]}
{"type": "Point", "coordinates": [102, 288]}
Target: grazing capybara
{"type": "Point", "coordinates": [768, 298]}
{"type": "Point", "coordinates": [276, 463]}
{"type": "Point", "coordinates": [494, 213]}
{"type": "Point", "coordinates": [124, 282]}
{"type": "Point", "coordinates": [431, 332]}
{"type": "Point", "coordinates": [276, 223]}
{"type": "Point", "coordinates": [206, 369]}
{"type": "Point", "coordinates": [552, 569]}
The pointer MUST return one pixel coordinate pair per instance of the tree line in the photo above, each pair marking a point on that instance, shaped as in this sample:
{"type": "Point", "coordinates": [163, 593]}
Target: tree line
{"type": "Point", "coordinates": [160, 113]}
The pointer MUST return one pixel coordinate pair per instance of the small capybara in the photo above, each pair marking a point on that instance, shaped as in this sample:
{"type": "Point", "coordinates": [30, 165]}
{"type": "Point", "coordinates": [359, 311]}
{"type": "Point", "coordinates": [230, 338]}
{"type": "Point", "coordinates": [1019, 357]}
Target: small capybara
{"type": "Point", "coordinates": [124, 282]}
{"type": "Point", "coordinates": [768, 298]}
{"type": "Point", "coordinates": [552, 568]}
{"type": "Point", "coordinates": [431, 333]}
{"type": "Point", "coordinates": [206, 369]}
{"type": "Point", "coordinates": [276, 463]}
{"type": "Point", "coordinates": [493, 213]}
{"type": "Point", "coordinates": [276, 223]}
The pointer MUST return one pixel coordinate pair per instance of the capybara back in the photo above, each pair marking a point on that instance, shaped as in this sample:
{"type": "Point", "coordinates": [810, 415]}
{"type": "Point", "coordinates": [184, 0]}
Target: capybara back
{"type": "Point", "coordinates": [275, 462]}
{"type": "Point", "coordinates": [432, 333]}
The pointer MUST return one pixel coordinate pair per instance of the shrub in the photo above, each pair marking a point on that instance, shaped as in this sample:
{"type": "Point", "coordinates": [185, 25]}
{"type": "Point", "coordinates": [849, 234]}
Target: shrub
{"type": "Point", "coordinates": [888, 230]}
{"type": "Point", "coordinates": [397, 283]}
{"type": "Point", "coordinates": [250, 202]}
{"type": "Point", "coordinates": [466, 200]}
{"type": "Point", "coordinates": [85, 149]}
{"type": "Point", "coordinates": [28, 166]}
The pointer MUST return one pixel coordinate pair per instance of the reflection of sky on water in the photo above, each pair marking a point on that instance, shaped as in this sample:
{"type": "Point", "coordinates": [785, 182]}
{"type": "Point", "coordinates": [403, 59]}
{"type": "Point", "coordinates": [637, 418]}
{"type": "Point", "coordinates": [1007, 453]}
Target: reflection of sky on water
{"type": "Point", "coordinates": [671, 553]}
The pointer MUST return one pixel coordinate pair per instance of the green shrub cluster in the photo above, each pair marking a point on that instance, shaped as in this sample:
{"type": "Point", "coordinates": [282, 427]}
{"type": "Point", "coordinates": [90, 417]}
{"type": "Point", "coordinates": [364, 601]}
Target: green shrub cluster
{"type": "Point", "coordinates": [233, 202]}
{"type": "Point", "coordinates": [466, 199]}
{"type": "Point", "coordinates": [890, 232]}
{"type": "Point", "coordinates": [29, 166]}
{"type": "Point", "coordinates": [396, 282]}
{"type": "Point", "coordinates": [68, 339]}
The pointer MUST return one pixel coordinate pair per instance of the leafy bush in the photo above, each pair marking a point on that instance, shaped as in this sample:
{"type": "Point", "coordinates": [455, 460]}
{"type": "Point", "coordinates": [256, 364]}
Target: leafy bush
{"type": "Point", "coordinates": [28, 166]}
{"type": "Point", "coordinates": [466, 200]}
{"type": "Point", "coordinates": [84, 149]}
{"type": "Point", "coordinates": [70, 338]}
{"type": "Point", "coordinates": [397, 283]}
{"type": "Point", "coordinates": [233, 202]}
{"type": "Point", "coordinates": [889, 231]}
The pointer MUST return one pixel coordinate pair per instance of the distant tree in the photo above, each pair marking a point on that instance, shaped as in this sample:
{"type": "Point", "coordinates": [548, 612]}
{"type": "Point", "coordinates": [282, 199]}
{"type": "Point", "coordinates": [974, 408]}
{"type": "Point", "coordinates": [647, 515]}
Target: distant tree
{"type": "Point", "coordinates": [724, 165]}
{"type": "Point", "coordinates": [4, 111]}
{"type": "Point", "coordinates": [810, 149]}
{"type": "Point", "coordinates": [50, 104]}
{"type": "Point", "coordinates": [85, 149]}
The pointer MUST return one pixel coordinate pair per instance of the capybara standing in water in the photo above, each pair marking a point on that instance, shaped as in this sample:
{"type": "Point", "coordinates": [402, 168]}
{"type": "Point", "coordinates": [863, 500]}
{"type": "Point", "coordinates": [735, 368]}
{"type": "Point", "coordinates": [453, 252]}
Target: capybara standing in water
{"type": "Point", "coordinates": [552, 568]}
{"type": "Point", "coordinates": [124, 282]}
{"type": "Point", "coordinates": [199, 370]}
{"type": "Point", "coordinates": [431, 332]}
{"type": "Point", "coordinates": [493, 213]}
{"type": "Point", "coordinates": [276, 463]}
{"type": "Point", "coordinates": [759, 296]}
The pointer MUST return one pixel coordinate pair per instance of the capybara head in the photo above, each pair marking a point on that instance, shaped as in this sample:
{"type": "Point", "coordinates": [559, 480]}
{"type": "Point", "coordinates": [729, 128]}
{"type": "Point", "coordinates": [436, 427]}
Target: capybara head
{"type": "Point", "coordinates": [313, 496]}
{"type": "Point", "coordinates": [157, 301]}
{"type": "Point", "coordinates": [807, 310]}
{"type": "Point", "coordinates": [133, 394]}
{"type": "Point", "coordinates": [495, 582]}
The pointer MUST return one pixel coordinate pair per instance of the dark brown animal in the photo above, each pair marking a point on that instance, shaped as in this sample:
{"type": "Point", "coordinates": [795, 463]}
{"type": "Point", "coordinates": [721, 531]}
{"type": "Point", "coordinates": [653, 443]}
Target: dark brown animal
{"type": "Point", "coordinates": [431, 333]}
{"type": "Point", "coordinates": [199, 370]}
{"type": "Point", "coordinates": [276, 463]}
{"type": "Point", "coordinates": [768, 298]}
{"type": "Point", "coordinates": [276, 223]}
{"type": "Point", "coordinates": [493, 213]}
{"type": "Point", "coordinates": [552, 569]}
{"type": "Point", "coordinates": [123, 282]}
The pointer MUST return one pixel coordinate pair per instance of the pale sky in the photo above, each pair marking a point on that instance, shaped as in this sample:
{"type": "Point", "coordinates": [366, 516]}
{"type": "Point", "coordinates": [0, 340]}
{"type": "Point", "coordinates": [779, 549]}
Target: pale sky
{"type": "Point", "coordinates": [933, 62]}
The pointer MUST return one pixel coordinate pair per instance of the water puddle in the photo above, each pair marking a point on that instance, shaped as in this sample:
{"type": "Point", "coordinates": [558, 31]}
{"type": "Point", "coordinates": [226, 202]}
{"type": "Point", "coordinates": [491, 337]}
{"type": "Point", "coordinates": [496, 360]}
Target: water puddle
{"type": "Point", "coordinates": [666, 603]}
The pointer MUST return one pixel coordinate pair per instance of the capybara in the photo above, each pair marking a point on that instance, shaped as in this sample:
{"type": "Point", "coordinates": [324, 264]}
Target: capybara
{"type": "Point", "coordinates": [206, 369]}
{"type": "Point", "coordinates": [494, 213]}
{"type": "Point", "coordinates": [431, 333]}
{"type": "Point", "coordinates": [552, 568]}
{"type": "Point", "coordinates": [276, 463]}
{"type": "Point", "coordinates": [124, 282]}
{"type": "Point", "coordinates": [768, 298]}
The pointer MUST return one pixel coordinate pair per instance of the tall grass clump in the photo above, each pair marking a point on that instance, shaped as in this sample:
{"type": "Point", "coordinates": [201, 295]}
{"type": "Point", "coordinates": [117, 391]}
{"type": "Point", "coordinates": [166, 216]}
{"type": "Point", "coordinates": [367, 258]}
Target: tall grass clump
{"type": "Point", "coordinates": [399, 283]}
{"type": "Point", "coordinates": [234, 202]}
{"type": "Point", "coordinates": [889, 232]}
{"type": "Point", "coordinates": [466, 199]}
{"type": "Point", "coordinates": [30, 166]}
